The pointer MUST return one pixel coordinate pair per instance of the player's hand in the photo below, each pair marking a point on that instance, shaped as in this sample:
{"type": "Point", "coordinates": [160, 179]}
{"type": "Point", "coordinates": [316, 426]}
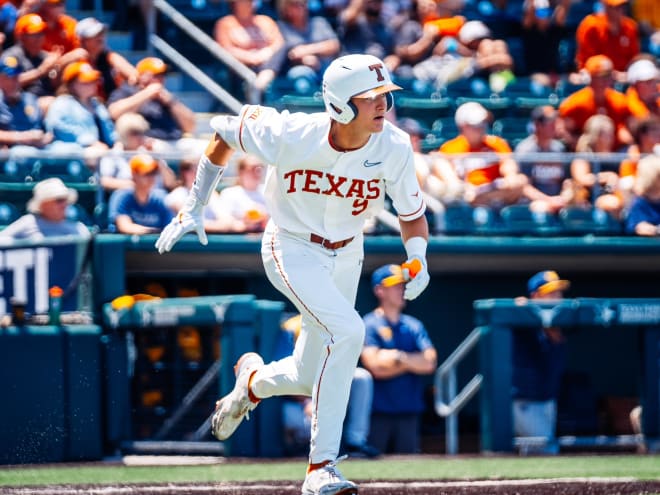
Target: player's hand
{"type": "Point", "coordinates": [185, 221]}
{"type": "Point", "coordinates": [417, 274]}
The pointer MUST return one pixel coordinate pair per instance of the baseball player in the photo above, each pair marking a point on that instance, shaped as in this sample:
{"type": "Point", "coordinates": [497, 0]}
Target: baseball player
{"type": "Point", "coordinates": [329, 172]}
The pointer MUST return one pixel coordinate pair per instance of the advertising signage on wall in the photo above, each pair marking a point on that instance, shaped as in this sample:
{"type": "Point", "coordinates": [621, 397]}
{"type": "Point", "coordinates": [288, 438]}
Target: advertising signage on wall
{"type": "Point", "coordinates": [28, 270]}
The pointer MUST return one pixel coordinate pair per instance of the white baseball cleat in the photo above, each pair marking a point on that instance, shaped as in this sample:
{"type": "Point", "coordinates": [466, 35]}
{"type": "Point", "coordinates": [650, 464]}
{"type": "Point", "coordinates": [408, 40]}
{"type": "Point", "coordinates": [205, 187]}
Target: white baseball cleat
{"type": "Point", "coordinates": [328, 481]}
{"type": "Point", "coordinates": [236, 405]}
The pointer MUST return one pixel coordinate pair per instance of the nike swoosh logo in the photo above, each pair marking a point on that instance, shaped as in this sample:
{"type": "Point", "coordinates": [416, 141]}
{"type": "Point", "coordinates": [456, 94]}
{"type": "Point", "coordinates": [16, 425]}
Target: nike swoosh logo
{"type": "Point", "coordinates": [367, 163]}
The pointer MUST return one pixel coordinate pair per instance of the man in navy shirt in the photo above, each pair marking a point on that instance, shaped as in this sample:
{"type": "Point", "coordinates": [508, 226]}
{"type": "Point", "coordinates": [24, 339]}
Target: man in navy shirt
{"type": "Point", "coordinates": [539, 357]}
{"type": "Point", "coordinates": [397, 351]}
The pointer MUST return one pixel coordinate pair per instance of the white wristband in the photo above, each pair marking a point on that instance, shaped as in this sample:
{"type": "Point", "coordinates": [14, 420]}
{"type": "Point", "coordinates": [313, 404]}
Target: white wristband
{"type": "Point", "coordinates": [206, 179]}
{"type": "Point", "coordinates": [416, 246]}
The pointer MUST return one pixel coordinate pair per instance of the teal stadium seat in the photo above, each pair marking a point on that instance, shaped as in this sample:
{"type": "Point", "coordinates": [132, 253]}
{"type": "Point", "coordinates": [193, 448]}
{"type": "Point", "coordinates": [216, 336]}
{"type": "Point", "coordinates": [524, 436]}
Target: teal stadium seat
{"type": "Point", "coordinates": [425, 110]}
{"type": "Point", "coordinates": [520, 220]}
{"type": "Point", "coordinates": [463, 219]}
{"type": "Point", "coordinates": [8, 213]}
{"type": "Point", "coordinates": [77, 213]}
{"type": "Point", "coordinates": [69, 170]}
{"type": "Point", "coordinates": [577, 220]}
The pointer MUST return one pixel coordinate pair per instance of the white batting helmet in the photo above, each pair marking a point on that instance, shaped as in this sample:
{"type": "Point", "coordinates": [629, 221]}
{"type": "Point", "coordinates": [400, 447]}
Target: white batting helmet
{"type": "Point", "coordinates": [350, 76]}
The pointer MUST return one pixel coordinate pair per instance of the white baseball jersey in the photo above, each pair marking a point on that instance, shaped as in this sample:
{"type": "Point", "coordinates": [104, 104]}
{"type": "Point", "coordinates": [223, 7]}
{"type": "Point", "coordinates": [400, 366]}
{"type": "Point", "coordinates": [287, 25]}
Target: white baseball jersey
{"type": "Point", "coordinates": [314, 188]}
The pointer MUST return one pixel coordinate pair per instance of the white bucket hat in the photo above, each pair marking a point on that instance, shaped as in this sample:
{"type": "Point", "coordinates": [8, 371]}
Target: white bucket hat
{"type": "Point", "coordinates": [471, 113]}
{"type": "Point", "coordinates": [49, 189]}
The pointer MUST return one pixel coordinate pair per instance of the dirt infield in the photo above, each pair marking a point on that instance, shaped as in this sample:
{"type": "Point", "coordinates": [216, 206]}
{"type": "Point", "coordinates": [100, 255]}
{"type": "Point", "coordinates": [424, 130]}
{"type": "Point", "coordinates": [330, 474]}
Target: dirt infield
{"type": "Point", "coordinates": [591, 486]}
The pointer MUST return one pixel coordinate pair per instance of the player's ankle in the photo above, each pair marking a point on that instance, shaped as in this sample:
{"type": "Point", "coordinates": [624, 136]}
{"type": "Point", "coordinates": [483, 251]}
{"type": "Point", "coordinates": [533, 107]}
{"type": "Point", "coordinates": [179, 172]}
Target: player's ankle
{"type": "Point", "coordinates": [313, 467]}
{"type": "Point", "coordinates": [253, 398]}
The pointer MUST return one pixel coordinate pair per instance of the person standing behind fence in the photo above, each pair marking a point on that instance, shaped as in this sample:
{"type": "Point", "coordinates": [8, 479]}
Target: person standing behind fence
{"type": "Point", "coordinates": [539, 357]}
{"type": "Point", "coordinates": [397, 352]}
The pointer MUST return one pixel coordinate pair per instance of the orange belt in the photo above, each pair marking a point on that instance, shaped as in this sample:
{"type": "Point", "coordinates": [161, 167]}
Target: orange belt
{"type": "Point", "coordinates": [317, 239]}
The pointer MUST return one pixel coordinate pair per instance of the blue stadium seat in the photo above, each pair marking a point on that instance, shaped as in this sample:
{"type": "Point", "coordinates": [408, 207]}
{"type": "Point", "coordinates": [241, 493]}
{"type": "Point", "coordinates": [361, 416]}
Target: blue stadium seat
{"type": "Point", "coordinates": [67, 169]}
{"type": "Point", "coordinates": [499, 106]}
{"type": "Point", "coordinates": [16, 170]}
{"type": "Point", "coordinates": [463, 219]}
{"type": "Point", "coordinates": [520, 220]}
{"type": "Point", "coordinates": [425, 110]}
{"type": "Point", "coordinates": [77, 213]}
{"type": "Point", "coordinates": [476, 87]}
{"type": "Point", "coordinates": [512, 128]}
{"type": "Point", "coordinates": [444, 128]}
{"type": "Point", "coordinates": [576, 220]}
{"type": "Point", "coordinates": [8, 213]}
{"type": "Point", "coordinates": [298, 103]}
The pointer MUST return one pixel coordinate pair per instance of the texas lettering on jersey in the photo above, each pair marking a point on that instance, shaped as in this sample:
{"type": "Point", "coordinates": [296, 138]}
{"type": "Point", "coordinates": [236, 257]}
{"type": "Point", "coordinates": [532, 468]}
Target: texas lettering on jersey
{"type": "Point", "coordinates": [317, 182]}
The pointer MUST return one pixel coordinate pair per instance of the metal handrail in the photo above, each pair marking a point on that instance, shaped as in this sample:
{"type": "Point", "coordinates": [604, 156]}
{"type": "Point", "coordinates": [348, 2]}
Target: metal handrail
{"type": "Point", "coordinates": [447, 402]}
{"type": "Point", "coordinates": [189, 68]}
{"type": "Point", "coordinates": [205, 41]}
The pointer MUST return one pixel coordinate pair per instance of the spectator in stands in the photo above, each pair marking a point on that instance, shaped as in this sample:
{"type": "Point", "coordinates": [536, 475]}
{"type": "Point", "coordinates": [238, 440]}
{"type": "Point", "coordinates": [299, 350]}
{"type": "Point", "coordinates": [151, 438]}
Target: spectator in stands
{"type": "Point", "coordinates": [647, 140]}
{"type": "Point", "coordinates": [61, 28]}
{"type": "Point", "coordinates": [547, 179]}
{"type": "Point", "coordinates": [171, 122]}
{"type": "Point", "coordinates": [543, 26]}
{"type": "Point", "coordinates": [21, 120]}
{"type": "Point", "coordinates": [493, 181]}
{"type": "Point", "coordinates": [254, 40]}
{"type": "Point", "coordinates": [362, 28]}
{"type": "Point", "coordinates": [643, 219]}
{"type": "Point", "coordinates": [423, 33]}
{"type": "Point", "coordinates": [643, 92]}
{"type": "Point", "coordinates": [610, 33]}
{"type": "Point", "coordinates": [215, 218]}
{"type": "Point", "coordinates": [310, 44]}
{"type": "Point", "coordinates": [539, 357]}
{"type": "Point", "coordinates": [599, 187]}
{"type": "Point", "coordinates": [297, 411]}
{"type": "Point", "coordinates": [245, 201]}
{"type": "Point", "coordinates": [40, 67]}
{"type": "Point", "coordinates": [397, 352]}
{"type": "Point", "coordinates": [114, 68]}
{"type": "Point", "coordinates": [46, 215]}
{"type": "Point", "coordinates": [140, 210]}
{"type": "Point", "coordinates": [437, 177]}
{"type": "Point", "coordinates": [596, 98]}
{"type": "Point", "coordinates": [114, 170]}
{"type": "Point", "coordinates": [77, 119]}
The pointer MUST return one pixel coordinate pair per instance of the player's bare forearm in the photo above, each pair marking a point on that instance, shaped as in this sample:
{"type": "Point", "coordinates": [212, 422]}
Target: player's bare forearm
{"type": "Point", "coordinates": [218, 151]}
{"type": "Point", "coordinates": [414, 228]}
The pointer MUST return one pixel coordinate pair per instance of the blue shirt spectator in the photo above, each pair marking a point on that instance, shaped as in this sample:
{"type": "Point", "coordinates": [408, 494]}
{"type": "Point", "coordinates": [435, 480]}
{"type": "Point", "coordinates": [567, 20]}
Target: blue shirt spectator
{"type": "Point", "coordinates": [643, 218]}
{"type": "Point", "coordinates": [78, 119]}
{"type": "Point", "coordinates": [141, 210]}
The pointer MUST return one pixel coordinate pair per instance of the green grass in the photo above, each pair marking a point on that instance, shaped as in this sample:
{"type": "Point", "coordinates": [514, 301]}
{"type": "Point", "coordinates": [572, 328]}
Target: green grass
{"type": "Point", "coordinates": [418, 468]}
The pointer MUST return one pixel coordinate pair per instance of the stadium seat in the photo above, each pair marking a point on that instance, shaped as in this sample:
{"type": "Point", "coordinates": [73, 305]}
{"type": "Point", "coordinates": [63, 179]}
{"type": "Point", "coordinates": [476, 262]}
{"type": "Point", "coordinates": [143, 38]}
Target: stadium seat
{"type": "Point", "coordinates": [444, 128]}
{"type": "Point", "coordinates": [520, 220]}
{"type": "Point", "coordinates": [16, 170]}
{"type": "Point", "coordinates": [77, 213]}
{"type": "Point", "coordinates": [463, 219]}
{"type": "Point", "coordinates": [499, 106]}
{"type": "Point", "coordinates": [512, 128]}
{"type": "Point", "coordinates": [67, 169]}
{"type": "Point", "coordinates": [425, 110]}
{"type": "Point", "coordinates": [8, 213]}
{"type": "Point", "coordinates": [297, 103]}
{"type": "Point", "coordinates": [576, 220]}
{"type": "Point", "coordinates": [468, 87]}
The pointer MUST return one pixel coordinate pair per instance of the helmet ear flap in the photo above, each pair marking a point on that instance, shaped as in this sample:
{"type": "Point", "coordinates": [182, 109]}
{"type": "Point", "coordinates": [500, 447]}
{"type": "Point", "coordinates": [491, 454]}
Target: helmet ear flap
{"type": "Point", "coordinates": [390, 101]}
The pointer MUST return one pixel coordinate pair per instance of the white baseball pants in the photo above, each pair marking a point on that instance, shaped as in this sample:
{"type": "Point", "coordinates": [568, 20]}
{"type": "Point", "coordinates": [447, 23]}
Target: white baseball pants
{"type": "Point", "coordinates": [322, 284]}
